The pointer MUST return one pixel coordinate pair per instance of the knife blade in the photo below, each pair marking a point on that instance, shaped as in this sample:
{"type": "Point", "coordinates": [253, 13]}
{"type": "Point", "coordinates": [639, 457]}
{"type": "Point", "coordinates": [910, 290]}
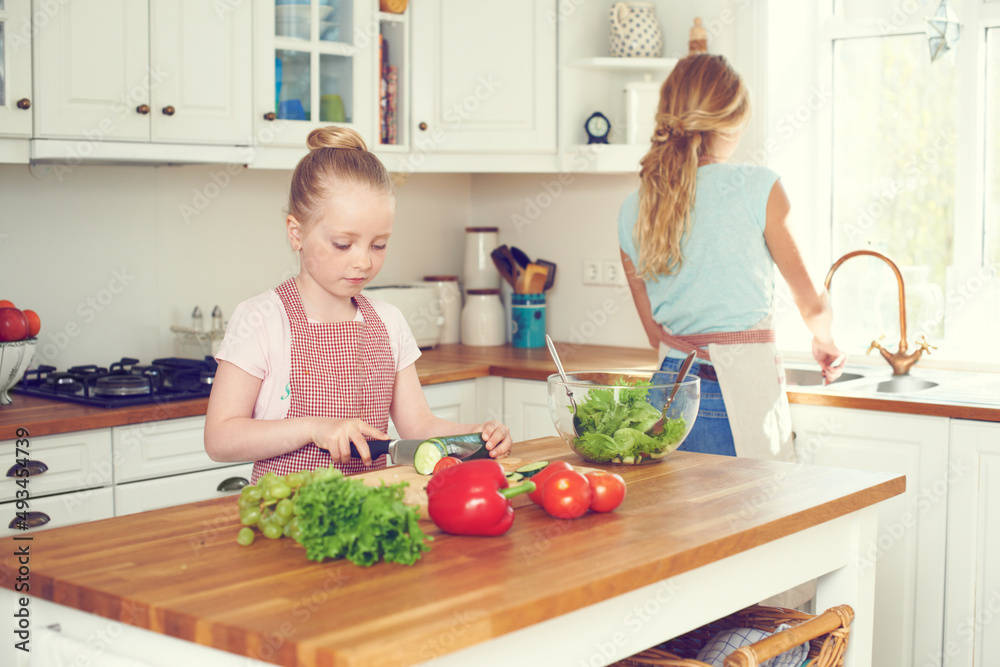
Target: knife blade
{"type": "Point", "coordinates": [464, 447]}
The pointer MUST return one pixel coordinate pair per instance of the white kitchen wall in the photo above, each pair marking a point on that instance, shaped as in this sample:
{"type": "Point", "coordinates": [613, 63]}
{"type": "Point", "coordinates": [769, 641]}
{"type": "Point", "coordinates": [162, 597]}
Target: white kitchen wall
{"type": "Point", "coordinates": [111, 256]}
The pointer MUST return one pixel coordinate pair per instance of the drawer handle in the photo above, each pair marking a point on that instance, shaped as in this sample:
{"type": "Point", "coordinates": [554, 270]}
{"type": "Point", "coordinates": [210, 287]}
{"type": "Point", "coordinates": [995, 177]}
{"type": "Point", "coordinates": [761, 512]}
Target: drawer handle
{"type": "Point", "coordinates": [34, 468]}
{"type": "Point", "coordinates": [270, 115]}
{"type": "Point", "coordinates": [24, 103]}
{"type": "Point", "coordinates": [30, 520]}
{"type": "Point", "coordinates": [142, 109]}
{"type": "Point", "coordinates": [232, 484]}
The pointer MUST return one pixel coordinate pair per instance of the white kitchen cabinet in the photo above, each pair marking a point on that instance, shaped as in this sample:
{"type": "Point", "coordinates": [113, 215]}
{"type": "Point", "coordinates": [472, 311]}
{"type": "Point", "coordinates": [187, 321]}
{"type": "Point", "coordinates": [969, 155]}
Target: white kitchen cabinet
{"type": "Point", "coordinates": [909, 553]}
{"type": "Point", "coordinates": [315, 66]}
{"type": "Point", "coordinates": [160, 448]}
{"type": "Point", "coordinates": [15, 70]}
{"type": "Point", "coordinates": [972, 605]}
{"type": "Point", "coordinates": [192, 487]}
{"type": "Point", "coordinates": [166, 71]}
{"type": "Point", "coordinates": [526, 409]}
{"type": "Point", "coordinates": [64, 509]}
{"type": "Point", "coordinates": [73, 461]}
{"type": "Point", "coordinates": [484, 79]}
{"type": "Point", "coordinates": [454, 401]}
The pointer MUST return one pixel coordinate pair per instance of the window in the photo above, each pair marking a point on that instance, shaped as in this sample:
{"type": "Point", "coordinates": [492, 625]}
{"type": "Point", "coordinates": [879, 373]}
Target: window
{"type": "Point", "coordinates": [915, 173]}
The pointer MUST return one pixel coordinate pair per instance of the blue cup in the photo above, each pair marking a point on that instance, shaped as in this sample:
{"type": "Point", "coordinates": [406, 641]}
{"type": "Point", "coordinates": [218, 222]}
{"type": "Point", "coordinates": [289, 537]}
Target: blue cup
{"type": "Point", "coordinates": [291, 110]}
{"type": "Point", "coordinates": [527, 320]}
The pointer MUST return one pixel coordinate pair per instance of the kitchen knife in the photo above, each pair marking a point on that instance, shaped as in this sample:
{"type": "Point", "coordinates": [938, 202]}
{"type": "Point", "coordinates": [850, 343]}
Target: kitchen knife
{"type": "Point", "coordinates": [464, 447]}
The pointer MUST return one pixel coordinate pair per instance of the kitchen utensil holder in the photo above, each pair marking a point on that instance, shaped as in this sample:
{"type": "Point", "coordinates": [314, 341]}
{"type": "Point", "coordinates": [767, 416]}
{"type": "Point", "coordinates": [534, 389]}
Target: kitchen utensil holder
{"type": "Point", "coordinates": [827, 633]}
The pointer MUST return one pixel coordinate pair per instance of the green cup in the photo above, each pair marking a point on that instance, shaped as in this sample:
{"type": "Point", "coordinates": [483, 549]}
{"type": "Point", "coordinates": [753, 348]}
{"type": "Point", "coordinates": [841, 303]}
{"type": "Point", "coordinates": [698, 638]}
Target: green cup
{"type": "Point", "coordinates": [331, 109]}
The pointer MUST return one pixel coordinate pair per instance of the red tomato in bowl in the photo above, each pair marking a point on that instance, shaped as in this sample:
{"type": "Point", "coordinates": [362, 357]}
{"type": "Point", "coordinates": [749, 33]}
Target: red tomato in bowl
{"type": "Point", "coordinates": [607, 490]}
{"type": "Point", "coordinates": [567, 494]}
{"type": "Point", "coordinates": [4, 303]}
{"type": "Point", "coordinates": [446, 462]}
{"type": "Point", "coordinates": [34, 323]}
{"type": "Point", "coordinates": [540, 477]}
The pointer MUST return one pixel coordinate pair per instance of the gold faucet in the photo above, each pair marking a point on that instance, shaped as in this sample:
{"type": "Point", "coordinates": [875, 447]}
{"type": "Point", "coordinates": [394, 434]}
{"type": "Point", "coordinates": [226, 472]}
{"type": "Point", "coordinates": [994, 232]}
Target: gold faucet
{"type": "Point", "coordinates": [900, 360]}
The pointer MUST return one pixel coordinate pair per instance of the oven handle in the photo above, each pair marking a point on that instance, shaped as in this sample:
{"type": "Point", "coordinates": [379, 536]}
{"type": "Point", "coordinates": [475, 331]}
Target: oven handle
{"type": "Point", "coordinates": [232, 484]}
{"type": "Point", "coordinates": [29, 520]}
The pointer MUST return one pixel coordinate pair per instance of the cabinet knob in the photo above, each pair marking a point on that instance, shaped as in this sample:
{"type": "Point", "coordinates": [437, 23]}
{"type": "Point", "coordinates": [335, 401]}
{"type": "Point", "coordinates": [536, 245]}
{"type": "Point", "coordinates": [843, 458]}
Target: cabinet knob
{"type": "Point", "coordinates": [168, 111]}
{"type": "Point", "coordinates": [143, 109]}
{"type": "Point", "coordinates": [270, 115]}
{"type": "Point", "coordinates": [24, 103]}
{"type": "Point", "coordinates": [33, 468]}
{"type": "Point", "coordinates": [29, 520]}
{"type": "Point", "coordinates": [232, 484]}
{"type": "Point", "coordinates": [423, 127]}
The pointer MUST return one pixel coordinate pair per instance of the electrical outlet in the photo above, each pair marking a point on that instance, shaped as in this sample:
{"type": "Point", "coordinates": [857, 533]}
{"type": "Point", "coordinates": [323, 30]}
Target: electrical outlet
{"type": "Point", "coordinates": [592, 270]}
{"type": "Point", "coordinates": [612, 272]}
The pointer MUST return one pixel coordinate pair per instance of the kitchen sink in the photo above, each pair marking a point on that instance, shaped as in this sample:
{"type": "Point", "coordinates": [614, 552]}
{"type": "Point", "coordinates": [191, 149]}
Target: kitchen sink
{"type": "Point", "coordinates": [897, 384]}
{"type": "Point", "coordinates": [799, 377]}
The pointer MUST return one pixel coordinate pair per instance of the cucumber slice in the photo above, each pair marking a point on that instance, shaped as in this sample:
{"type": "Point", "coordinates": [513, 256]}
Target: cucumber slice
{"type": "Point", "coordinates": [514, 477]}
{"type": "Point", "coordinates": [529, 470]}
{"type": "Point", "coordinates": [426, 457]}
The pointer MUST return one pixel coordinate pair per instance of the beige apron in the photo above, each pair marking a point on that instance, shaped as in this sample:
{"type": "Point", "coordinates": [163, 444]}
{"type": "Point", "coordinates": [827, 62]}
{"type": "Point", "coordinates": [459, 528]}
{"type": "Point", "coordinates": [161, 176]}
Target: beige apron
{"type": "Point", "coordinates": [751, 376]}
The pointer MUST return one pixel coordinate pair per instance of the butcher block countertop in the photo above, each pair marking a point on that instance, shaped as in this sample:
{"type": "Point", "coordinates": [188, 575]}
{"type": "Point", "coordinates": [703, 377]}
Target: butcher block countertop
{"type": "Point", "coordinates": [450, 363]}
{"type": "Point", "coordinates": [178, 571]}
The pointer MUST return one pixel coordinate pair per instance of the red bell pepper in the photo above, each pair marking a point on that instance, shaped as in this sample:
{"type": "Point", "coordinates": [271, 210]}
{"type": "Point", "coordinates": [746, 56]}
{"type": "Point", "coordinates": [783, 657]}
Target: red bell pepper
{"type": "Point", "coordinates": [473, 498]}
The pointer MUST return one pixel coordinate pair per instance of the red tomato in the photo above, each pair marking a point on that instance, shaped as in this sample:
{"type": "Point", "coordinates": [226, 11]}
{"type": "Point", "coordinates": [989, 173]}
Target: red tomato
{"type": "Point", "coordinates": [607, 490]}
{"type": "Point", "coordinates": [446, 462]}
{"type": "Point", "coordinates": [567, 494]}
{"type": "Point", "coordinates": [540, 477]}
{"type": "Point", "coordinates": [6, 304]}
{"type": "Point", "coordinates": [13, 324]}
{"type": "Point", "coordinates": [34, 323]}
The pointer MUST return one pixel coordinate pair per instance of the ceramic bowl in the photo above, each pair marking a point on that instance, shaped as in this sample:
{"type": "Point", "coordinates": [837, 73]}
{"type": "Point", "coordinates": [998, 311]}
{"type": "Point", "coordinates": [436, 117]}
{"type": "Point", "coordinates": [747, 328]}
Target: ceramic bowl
{"type": "Point", "coordinates": [615, 410]}
{"type": "Point", "coordinates": [15, 357]}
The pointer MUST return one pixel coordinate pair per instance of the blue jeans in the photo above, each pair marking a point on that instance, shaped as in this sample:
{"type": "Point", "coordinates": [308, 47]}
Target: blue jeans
{"type": "Point", "coordinates": [711, 433]}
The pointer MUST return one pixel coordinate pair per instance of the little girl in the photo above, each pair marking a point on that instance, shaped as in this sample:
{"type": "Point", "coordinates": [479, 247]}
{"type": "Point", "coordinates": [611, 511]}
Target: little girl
{"type": "Point", "coordinates": [312, 366]}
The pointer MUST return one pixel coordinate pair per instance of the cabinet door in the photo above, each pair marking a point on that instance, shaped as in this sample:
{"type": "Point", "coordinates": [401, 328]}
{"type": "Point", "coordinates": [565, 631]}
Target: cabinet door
{"type": "Point", "coordinates": [15, 68]}
{"type": "Point", "coordinates": [60, 510]}
{"type": "Point", "coordinates": [200, 59]}
{"type": "Point", "coordinates": [75, 461]}
{"type": "Point", "coordinates": [454, 401]}
{"type": "Point", "coordinates": [972, 610]}
{"type": "Point", "coordinates": [484, 80]}
{"type": "Point", "coordinates": [526, 409]}
{"type": "Point", "coordinates": [158, 449]}
{"type": "Point", "coordinates": [91, 72]}
{"type": "Point", "coordinates": [314, 66]}
{"type": "Point", "coordinates": [909, 551]}
{"type": "Point", "coordinates": [153, 494]}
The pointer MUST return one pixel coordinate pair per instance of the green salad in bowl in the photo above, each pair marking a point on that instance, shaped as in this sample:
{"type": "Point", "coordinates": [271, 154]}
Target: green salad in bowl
{"type": "Point", "coordinates": [611, 416]}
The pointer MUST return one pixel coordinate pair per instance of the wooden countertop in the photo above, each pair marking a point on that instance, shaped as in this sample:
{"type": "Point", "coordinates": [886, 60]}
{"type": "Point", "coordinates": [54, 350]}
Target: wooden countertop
{"type": "Point", "coordinates": [449, 363]}
{"type": "Point", "coordinates": [179, 571]}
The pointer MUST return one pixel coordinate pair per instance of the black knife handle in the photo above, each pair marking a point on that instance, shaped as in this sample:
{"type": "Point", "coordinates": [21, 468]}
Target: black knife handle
{"type": "Point", "coordinates": [376, 447]}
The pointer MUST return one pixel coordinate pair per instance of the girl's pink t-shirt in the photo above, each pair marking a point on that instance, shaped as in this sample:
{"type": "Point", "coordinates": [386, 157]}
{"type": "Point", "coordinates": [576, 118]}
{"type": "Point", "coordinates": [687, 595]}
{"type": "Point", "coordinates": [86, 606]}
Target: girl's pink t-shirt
{"type": "Point", "coordinates": [258, 340]}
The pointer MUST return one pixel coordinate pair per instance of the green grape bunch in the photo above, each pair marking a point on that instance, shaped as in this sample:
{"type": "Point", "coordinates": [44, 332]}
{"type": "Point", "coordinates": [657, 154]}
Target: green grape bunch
{"type": "Point", "coordinates": [268, 506]}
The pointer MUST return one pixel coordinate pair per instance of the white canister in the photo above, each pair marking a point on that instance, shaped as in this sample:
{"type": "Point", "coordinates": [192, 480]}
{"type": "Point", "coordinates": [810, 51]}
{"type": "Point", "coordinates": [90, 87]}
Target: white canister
{"type": "Point", "coordinates": [450, 302]}
{"type": "Point", "coordinates": [642, 98]}
{"type": "Point", "coordinates": [480, 272]}
{"type": "Point", "coordinates": [483, 321]}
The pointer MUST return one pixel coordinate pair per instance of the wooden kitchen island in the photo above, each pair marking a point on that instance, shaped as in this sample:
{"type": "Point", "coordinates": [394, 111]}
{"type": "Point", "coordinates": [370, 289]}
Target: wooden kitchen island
{"type": "Point", "coordinates": [697, 537]}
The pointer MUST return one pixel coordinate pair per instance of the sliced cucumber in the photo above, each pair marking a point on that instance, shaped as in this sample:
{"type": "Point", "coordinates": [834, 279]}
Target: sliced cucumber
{"type": "Point", "coordinates": [426, 457]}
{"type": "Point", "coordinates": [529, 470]}
{"type": "Point", "coordinates": [514, 477]}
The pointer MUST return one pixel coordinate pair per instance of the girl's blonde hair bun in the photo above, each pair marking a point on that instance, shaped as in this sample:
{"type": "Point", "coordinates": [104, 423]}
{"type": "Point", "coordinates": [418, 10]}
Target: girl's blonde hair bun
{"type": "Point", "coordinates": [335, 137]}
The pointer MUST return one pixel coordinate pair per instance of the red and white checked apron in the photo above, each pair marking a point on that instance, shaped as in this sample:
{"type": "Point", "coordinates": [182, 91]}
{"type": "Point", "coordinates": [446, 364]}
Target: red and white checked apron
{"type": "Point", "coordinates": [343, 370]}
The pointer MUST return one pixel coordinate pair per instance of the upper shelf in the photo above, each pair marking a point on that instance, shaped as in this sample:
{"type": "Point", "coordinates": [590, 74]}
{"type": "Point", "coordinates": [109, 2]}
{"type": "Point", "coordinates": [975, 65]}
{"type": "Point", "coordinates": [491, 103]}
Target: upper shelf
{"type": "Point", "coordinates": [625, 64]}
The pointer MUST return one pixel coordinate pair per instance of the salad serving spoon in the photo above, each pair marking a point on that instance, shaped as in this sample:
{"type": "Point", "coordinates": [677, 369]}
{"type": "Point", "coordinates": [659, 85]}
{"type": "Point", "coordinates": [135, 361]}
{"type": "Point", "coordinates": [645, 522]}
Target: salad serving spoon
{"type": "Point", "coordinates": [657, 427]}
{"type": "Point", "coordinates": [562, 374]}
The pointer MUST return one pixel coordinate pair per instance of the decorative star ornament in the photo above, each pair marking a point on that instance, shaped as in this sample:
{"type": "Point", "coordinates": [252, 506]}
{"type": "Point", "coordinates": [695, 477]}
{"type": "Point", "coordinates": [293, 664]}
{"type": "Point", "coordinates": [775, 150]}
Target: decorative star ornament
{"type": "Point", "coordinates": [943, 30]}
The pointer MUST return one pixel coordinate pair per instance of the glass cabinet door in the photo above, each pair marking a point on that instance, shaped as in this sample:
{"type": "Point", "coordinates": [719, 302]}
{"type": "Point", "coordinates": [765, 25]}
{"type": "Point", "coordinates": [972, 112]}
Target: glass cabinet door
{"type": "Point", "coordinates": [315, 60]}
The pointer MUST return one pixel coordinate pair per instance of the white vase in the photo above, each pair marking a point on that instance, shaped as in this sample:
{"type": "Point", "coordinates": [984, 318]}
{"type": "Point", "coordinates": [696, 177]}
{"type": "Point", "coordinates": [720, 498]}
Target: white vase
{"type": "Point", "coordinates": [635, 32]}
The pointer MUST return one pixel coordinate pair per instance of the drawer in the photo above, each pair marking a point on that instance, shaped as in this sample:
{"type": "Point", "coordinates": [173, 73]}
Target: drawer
{"type": "Point", "coordinates": [161, 448]}
{"type": "Point", "coordinates": [62, 510]}
{"type": "Point", "coordinates": [75, 461]}
{"type": "Point", "coordinates": [176, 490]}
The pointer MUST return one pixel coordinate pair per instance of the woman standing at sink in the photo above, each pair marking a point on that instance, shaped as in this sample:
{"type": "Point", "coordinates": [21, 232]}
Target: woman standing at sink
{"type": "Point", "coordinates": [699, 241]}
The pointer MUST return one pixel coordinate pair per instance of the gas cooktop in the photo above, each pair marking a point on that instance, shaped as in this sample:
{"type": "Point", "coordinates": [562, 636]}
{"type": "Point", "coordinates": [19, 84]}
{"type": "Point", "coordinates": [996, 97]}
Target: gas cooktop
{"type": "Point", "coordinates": [124, 383]}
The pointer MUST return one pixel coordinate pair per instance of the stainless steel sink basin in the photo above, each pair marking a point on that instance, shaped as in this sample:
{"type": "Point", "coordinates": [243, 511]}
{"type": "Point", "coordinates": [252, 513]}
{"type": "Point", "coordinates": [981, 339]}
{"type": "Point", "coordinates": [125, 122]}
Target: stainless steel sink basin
{"type": "Point", "coordinates": [797, 377]}
{"type": "Point", "coordinates": [897, 384]}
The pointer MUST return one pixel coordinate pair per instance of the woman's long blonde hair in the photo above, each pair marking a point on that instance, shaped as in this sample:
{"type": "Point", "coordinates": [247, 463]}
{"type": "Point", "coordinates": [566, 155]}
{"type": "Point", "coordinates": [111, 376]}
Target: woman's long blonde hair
{"type": "Point", "coordinates": [703, 96]}
{"type": "Point", "coordinates": [337, 156]}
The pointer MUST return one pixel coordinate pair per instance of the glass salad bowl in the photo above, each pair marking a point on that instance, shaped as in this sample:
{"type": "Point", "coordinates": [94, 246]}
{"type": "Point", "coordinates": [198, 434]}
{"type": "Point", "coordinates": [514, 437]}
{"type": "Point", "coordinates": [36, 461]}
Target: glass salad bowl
{"type": "Point", "coordinates": [610, 416]}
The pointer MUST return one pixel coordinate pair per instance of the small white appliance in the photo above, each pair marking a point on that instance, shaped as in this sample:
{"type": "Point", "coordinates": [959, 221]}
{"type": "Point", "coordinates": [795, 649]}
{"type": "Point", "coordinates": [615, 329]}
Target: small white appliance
{"type": "Point", "coordinates": [420, 304]}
